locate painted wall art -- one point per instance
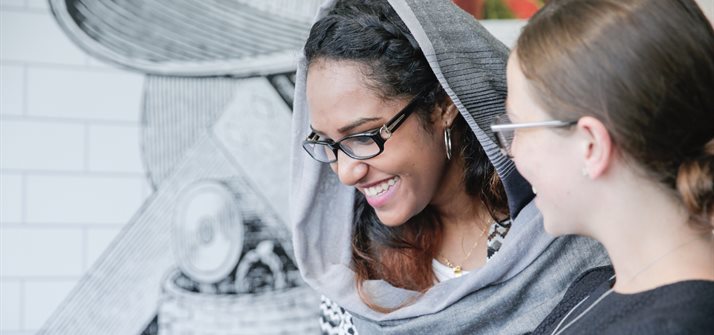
(209, 252)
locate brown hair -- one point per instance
(372, 34)
(645, 68)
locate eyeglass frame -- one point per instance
(499, 128)
(378, 135)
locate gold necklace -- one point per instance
(458, 269)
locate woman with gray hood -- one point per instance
(406, 216)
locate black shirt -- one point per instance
(685, 307)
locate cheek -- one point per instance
(526, 159)
(414, 147)
(529, 171)
(419, 158)
(537, 163)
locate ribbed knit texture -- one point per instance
(190, 38)
(471, 65)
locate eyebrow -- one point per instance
(357, 123)
(350, 126)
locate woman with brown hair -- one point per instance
(406, 216)
(610, 116)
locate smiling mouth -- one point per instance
(380, 188)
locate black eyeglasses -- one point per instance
(504, 130)
(359, 146)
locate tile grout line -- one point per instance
(71, 120)
(23, 198)
(86, 146)
(67, 66)
(22, 305)
(25, 89)
(85, 248)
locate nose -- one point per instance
(349, 170)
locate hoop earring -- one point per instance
(447, 142)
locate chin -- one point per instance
(556, 227)
(391, 220)
(550, 229)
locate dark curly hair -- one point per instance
(372, 34)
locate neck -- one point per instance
(465, 221)
(650, 242)
(456, 208)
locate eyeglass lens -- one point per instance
(358, 147)
(504, 136)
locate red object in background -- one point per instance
(522, 9)
(475, 7)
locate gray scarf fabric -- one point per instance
(514, 291)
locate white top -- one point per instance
(496, 233)
(443, 272)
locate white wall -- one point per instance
(70, 169)
(708, 8)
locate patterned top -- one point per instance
(335, 320)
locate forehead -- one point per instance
(338, 93)
(327, 78)
(515, 80)
(520, 105)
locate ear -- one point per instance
(447, 113)
(598, 148)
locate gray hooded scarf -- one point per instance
(520, 284)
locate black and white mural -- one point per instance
(209, 252)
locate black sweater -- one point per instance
(685, 307)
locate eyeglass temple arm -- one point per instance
(312, 136)
(398, 119)
(551, 123)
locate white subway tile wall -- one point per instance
(114, 148)
(85, 199)
(30, 252)
(42, 298)
(12, 84)
(38, 4)
(12, 3)
(71, 174)
(11, 293)
(98, 63)
(708, 8)
(92, 94)
(29, 35)
(97, 241)
(11, 196)
(42, 145)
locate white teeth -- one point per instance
(379, 189)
